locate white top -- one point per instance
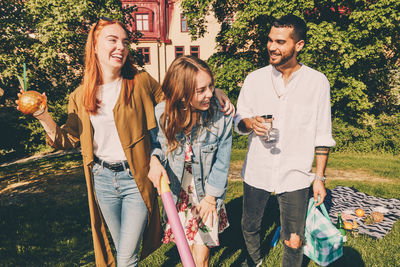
(302, 121)
(106, 143)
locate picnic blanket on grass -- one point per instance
(343, 198)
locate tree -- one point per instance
(49, 36)
(355, 43)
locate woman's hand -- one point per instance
(40, 114)
(207, 209)
(44, 118)
(227, 106)
(156, 172)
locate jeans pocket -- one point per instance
(96, 169)
(129, 173)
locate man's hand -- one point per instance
(226, 104)
(255, 124)
(321, 159)
(156, 171)
(319, 190)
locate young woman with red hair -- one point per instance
(109, 117)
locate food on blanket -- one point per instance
(347, 225)
(374, 217)
(347, 217)
(369, 220)
(377, 216)
(355, 224)
(360, 212)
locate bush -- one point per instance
(239, 141)
(380, 134)
(23, 135)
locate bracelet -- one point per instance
(209, 202)
(37, 115)
(319, 178)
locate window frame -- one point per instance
(195, 52)
(176, 52)
(184, 19)
(144, 53)
(149, 21)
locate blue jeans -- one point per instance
(123, 209)
(293, 209)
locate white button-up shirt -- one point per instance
(302, 121)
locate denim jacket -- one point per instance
(211, 148)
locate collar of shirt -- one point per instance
(279, 84)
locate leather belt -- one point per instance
(116, 166)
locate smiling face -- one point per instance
(203, 92)
(112, 48)
(282, 48)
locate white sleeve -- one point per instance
(324, 122)
(244, 106)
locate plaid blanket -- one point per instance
(342, 198)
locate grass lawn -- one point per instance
(44, 216)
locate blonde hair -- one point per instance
(179, 86)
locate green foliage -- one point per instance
(381, 134)
(49, 36)
(354, 43)
(229, 71)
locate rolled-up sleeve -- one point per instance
(244, 109)
(324, 121)
(67, 136)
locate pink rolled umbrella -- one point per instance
(176, 226)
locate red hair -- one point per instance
(93, 78)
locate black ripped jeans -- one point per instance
(293, 208)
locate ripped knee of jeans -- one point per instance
(294, 241)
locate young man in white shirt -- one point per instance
(280, 160)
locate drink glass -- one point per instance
(268, 123)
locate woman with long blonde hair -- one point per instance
(109, 117)
(193, 141)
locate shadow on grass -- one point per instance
(232, 238)
(350, 258)
(46, 223)
(173, 257)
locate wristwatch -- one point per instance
(319, 178)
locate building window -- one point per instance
(142, 22)
(145, 51)
(179, 51)
(195, 51)
(184, 25)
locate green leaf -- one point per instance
(22, 83)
